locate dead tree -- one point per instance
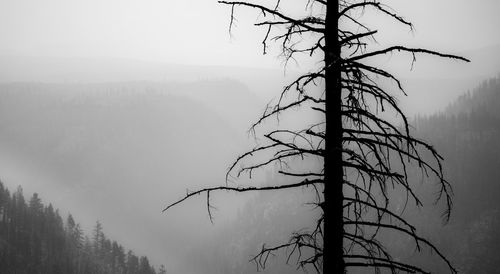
(363, 155)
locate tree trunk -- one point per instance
(333, 261)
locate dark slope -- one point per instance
(34, 238)
(467, 133)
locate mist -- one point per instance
(111, 110)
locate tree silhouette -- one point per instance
(365, 157)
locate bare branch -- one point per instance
(305, 182)
(410, 50)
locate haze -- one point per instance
(110, 109)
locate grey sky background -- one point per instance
(449, 24)
(196, 31)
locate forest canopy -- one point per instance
(35, 239)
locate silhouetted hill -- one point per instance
(263, 82)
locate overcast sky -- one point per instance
(196, 31)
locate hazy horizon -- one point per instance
(112, 109)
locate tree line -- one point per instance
(467, 134)
(35, 239)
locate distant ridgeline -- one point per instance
(35, 239)
(474, 112)
(467, 134)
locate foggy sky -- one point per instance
(196, 31)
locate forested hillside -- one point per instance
(35, 239)
(467, 135)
